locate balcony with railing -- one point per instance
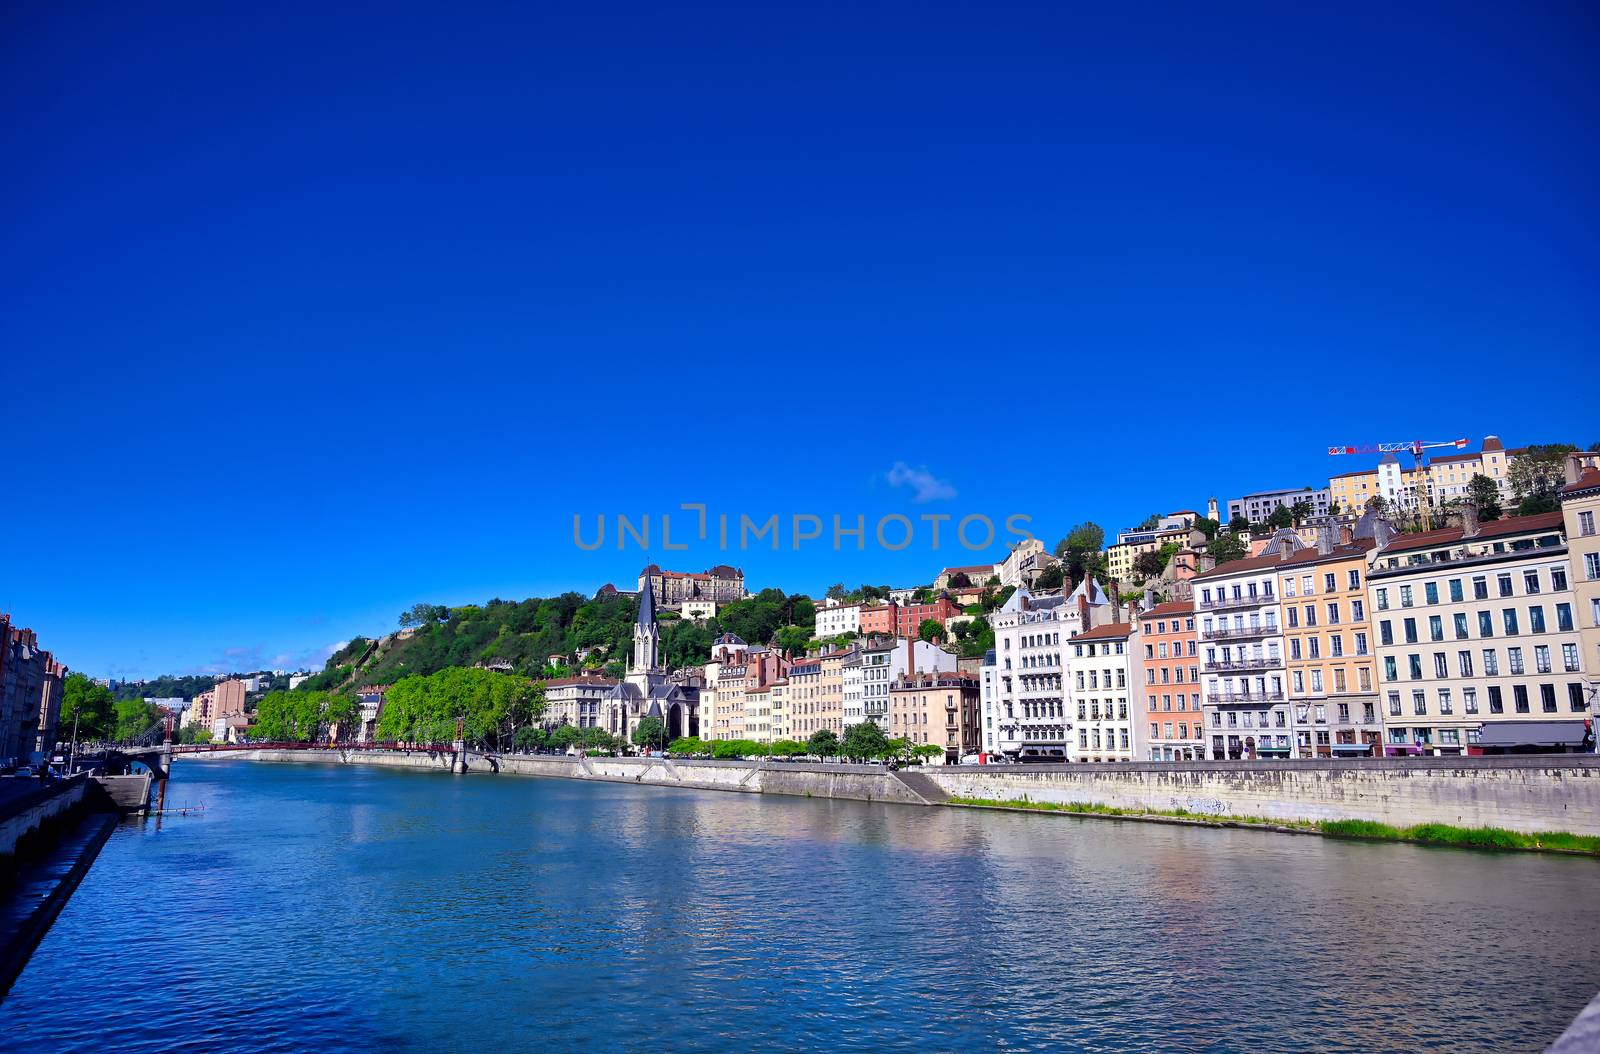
(1272, 662)
(1238, 632)
(1245, 697)
(1247, 600)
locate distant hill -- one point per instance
(524, 634)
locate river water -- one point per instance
(352, 909)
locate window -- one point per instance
(1469, 700)
(1569, 657)
(1330, 582)
(1485, 624)
(1431, 591)
(1541, 658)
(1411, 630)
(1586, 523)
(1385, 633)
(1333, 614)
(1354, 579)
(1405, 596)
(1414, 664)
(1491, 663)
(1389, 671)
(1311, 614)
(1510, 616)
(1336, 646)
(1358, 611)
(1464, 663)
(1435, 627)
(1536, 619)
(1441, 669)
(1558, 579)
(1445, 705)
(1504, 580)
(1497, 704)
(1419, 702)
(1383, 592)
(1394, 704)
(1315, 644)
(1461, 625)
(1361, 643)
(1519, 693)
(1591, 565)
(1480, 588)
(1530, 582)
(1547, 698)
(1514, 660)
(1455, 591)
(1288, 586)
(1575, 697)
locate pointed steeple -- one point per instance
(647, 607)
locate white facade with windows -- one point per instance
(1478, 629)
(1240, 633)
(1100, 687)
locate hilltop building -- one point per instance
(649, 690)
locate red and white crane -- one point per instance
(1416, 446)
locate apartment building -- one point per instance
(1024, 701)
(1171, 715)
(1100, 684)
(575, 701)
(816, 692)
(1240, 638)
(1330, 660)
(883, 660)
(1580, 509)
(936, 708)
(1478, 643)
(1024, 563)
(1257, 507)
(835, 619)
(1130, 545)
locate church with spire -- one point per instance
(648, 689)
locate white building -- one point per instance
(881, 661)
(1240, 632)
(1100, 684)
(834, 619)
(1257, 507)
(1026, 559)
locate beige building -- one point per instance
(1477, 639)
(575, 701)
(720, 585)
(936, 708)
(816, 692)
(1350, 491)
(1580, 510)
(1330, 660)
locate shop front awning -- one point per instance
(1362, 749)
(1532, 734)
(1273, 752)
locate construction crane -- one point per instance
(1416, 446)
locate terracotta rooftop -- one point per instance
(1303, 558)
(1588, 481)
(1110, 631)
(1544, 521)
(1171, 607)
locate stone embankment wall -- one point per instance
(1529, 794)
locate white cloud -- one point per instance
(927, 486)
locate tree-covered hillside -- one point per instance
(526, 634)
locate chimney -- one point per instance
(911, 659)
(1573, 467)
(1115, 592)
(1347, 536)
(1469, 520)
(1325, 537)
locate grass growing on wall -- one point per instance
(1427, 833)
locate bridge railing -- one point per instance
(216, 748)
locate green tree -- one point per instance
(927, 751)
(687, 745)
(1239, 525)
(649, 732)
(134, 717)
(787, 748)
(1281, 517)
(1208, 527)
(1485, 494)
(89, 704)
(837, 591)
(1051, 577)
(931, 630)
(1227, 547)
(1150, 522)
(793, 639)
(1301, 511)
(864, 741)
(1148, 565)
(1079, 547)
(824, 743)
(1539, 472)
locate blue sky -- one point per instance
(309, 313)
